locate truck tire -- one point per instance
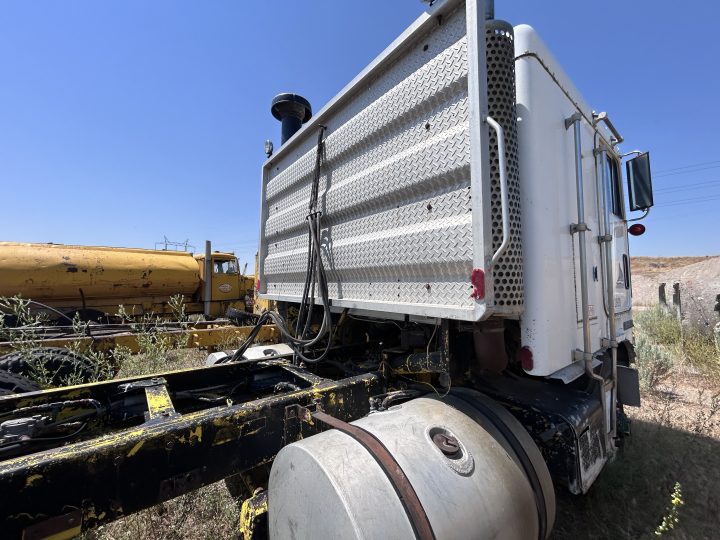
(10, 383)
(241, 318)
(57, 362)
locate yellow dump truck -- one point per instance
(94, 281)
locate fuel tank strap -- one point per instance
(408, 497)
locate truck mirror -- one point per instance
(639, 182)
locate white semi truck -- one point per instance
(465, 184)
(446, 243)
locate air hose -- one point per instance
(315, 279)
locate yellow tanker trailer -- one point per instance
(96, 280)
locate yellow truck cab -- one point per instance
(229, 287)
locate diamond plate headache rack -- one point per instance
(406, 193)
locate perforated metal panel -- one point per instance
(403, 185)
(508, 272)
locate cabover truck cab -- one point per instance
(446, 244)
(467, 186)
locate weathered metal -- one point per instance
(334, 484)
(418, 363)
(392, 469)
(426, 231)
(253, 516)
(54, 272)
(566, 424)
(101, 278)
(143, 457)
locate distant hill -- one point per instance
(699, 279)
(648, 266)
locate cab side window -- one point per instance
(220, 267)
(614, 189)
(225, 267)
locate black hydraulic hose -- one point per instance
(44, 306)
(313, 219)
(315, 278)
(306, 287)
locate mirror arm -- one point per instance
(632, 152)
(603, 117)
(647, 211)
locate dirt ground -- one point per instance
(675, 438)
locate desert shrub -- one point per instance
(653, 361)
(22, 328)
(660, 326)
(19, 324)
(699, 350)
(661, 331)
(158, 350)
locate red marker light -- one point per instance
(477, 279)
(637, 229)
(526, 358)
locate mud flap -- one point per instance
(628, 391)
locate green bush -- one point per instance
(22, 327)
(653, 361)
(660, 333)
(660, 326)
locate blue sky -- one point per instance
(125, 121)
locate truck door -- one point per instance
(225, 279)
(610, 185)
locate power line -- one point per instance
(688, 167)
(687, 186)
(688, 171)
(694, 214)
(694, 200)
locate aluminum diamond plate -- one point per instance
(401, 232)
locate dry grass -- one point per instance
(207, 513)
(658, 265)
(684, 346)
(675, 439)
